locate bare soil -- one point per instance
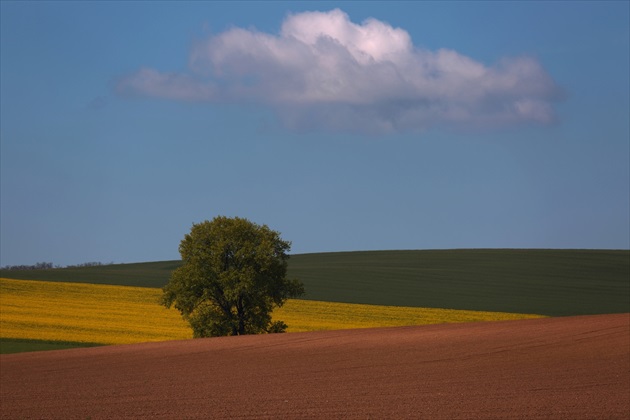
(559, 368)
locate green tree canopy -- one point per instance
(233, 275)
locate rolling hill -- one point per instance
(546, 282)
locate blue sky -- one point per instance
(343, 125)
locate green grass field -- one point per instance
(151, 274)
(15, 345)
(548, 282)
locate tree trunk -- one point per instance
(240, 313)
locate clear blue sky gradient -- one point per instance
(89, 174)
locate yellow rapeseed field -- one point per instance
(91, 313)
(310, 315)
(86, 313)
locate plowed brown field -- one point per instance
(563, 368)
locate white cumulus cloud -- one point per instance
(324, 72)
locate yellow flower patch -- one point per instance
(104, 314)
(86, 313)
(309, 315)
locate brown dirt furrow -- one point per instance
(561, 368)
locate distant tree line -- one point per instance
(38, 266)
(49, 265)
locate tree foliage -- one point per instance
(232, 277)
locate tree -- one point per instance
(233, 275)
